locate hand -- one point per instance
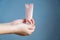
(23, 27)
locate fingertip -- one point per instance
(32, 21)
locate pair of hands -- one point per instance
(23, 27)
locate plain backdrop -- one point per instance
(46, 15)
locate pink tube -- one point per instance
(29, 11)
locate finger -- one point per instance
(31, 27)
(32, 21)
(24, 21)
(29, 21)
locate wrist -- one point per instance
(15, 28)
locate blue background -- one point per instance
(46, 15)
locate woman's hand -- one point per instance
(23, 27)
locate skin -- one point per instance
(21, 27)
